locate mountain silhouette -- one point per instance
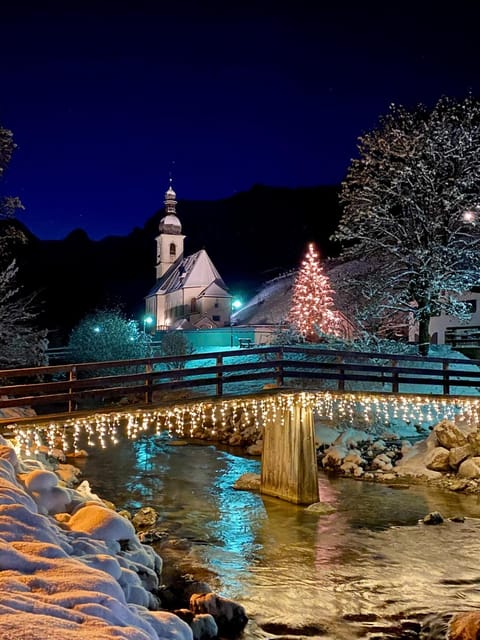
(251, 237)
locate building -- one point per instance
(445, 329)
(189, 293)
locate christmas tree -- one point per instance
(312, 310)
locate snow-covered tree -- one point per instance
(312, 310)
(8, 204)
(412, 209)
(21, 343)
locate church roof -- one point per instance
(215, 290)
(196, 270)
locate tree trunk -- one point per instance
(423, 335)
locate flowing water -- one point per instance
(367, 570)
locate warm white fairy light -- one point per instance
(213, 417)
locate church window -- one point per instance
(173, 250)
(193, 305)
(216, 318)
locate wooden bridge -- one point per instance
(289, 465)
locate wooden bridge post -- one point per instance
(289, 460)
(148, 383)
(395, 377)
(279, 368)
(446, 378)
(341, 371)
(219, 383)
(71, 377)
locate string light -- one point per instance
(104, 429)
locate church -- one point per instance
(189, 293)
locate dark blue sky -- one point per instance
(103, 99)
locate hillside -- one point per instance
(251, 237)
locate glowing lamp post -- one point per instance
(236, 304)
(147, 320)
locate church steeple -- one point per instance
(170, 240)
(170, 202)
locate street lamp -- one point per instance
(236, 304)
(146, 320)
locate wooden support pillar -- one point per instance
(289, 460)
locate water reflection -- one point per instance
(349, 574)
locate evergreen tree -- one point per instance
(411, 207)
(312, 310)
(107, 334)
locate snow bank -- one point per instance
(70, 568)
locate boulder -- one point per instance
(438, 459)
(231, 617)
(449, 435)
(321, 507)
(459, 454)
(146, 517)
(204, 627)
(464, 626)
(474, 441)
(433, 518)
(248, 482)
(255, 449)
(470, 468)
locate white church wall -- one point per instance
(218, 309)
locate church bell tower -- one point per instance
(170, 239)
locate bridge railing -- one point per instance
(214, 374)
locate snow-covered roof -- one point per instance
(270, 305)
(215, 290)
(196, 270)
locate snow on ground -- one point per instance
(70, 568)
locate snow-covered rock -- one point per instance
(413, 463)
(61, 578)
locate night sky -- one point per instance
(106, 101)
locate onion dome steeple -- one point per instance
(170, 223)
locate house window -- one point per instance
(173, 250)
(216, 318)
(193, 305)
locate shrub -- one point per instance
(175, 343)
(108, 335)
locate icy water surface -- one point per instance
(368, 570)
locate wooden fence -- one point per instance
(63, 387)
